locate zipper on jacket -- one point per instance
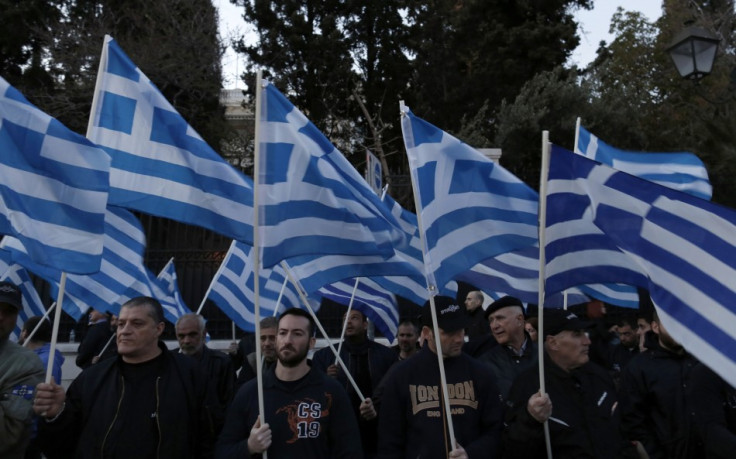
(158, 421)
(117, 412)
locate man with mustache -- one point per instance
(307, 413)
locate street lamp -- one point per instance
(693, 51)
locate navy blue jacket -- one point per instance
(311, 420)
(411, 422)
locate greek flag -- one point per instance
(53, 187)
(680, 171)
(410, 287)
(312, 200)
(517, 274)
(160, 165)
(471, 209)
(232, 288)
(17, 275)
(167, 287)
(375, 302)
(122, 274)
(607, 226)
(315, 271)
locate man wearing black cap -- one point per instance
(516, 351)
(579, 404)
(412, 416)
(20, 371)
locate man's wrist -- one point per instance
(63, 405)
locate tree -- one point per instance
(447, 59)
(475, 53)
(22, 41)
(174, 43)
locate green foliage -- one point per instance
(175, 44)
(347, 64)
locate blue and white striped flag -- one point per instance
(517, 274)
(315, 271)
(173, 306)
(17, 275)
(232, 288)
(53, 186)
(410, 287)
(680, 171)
(606, 226)
(160, 165)
(312, 200)
(375, 302)
(122, 274)
(471, 209)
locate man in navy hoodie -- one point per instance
(412, 414)
(307, 413)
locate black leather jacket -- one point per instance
(93, 406)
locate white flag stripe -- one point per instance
(27, 183)
(173, 190)
(720, 317)
(65, 238)
(664, 168)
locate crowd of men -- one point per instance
(625, 391)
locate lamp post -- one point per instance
(693, 52)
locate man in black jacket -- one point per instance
(307, 414)
(95, 340)
(655, 409)
(148, 402)
(412, 413)
(367, 362)
(191, 332)
(714, 404)
(516, 351)
(579, 405)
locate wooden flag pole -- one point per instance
(55, 329)
(431, 289)
(542, 264)
(347, 314)
(214, 279)
(38, 325)
(303, 297)
(256, 244)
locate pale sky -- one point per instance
(593, 25)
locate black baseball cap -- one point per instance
(451, 315)
(559, 320)
(10, 294)
(502, 303)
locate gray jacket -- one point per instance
(20, 371)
